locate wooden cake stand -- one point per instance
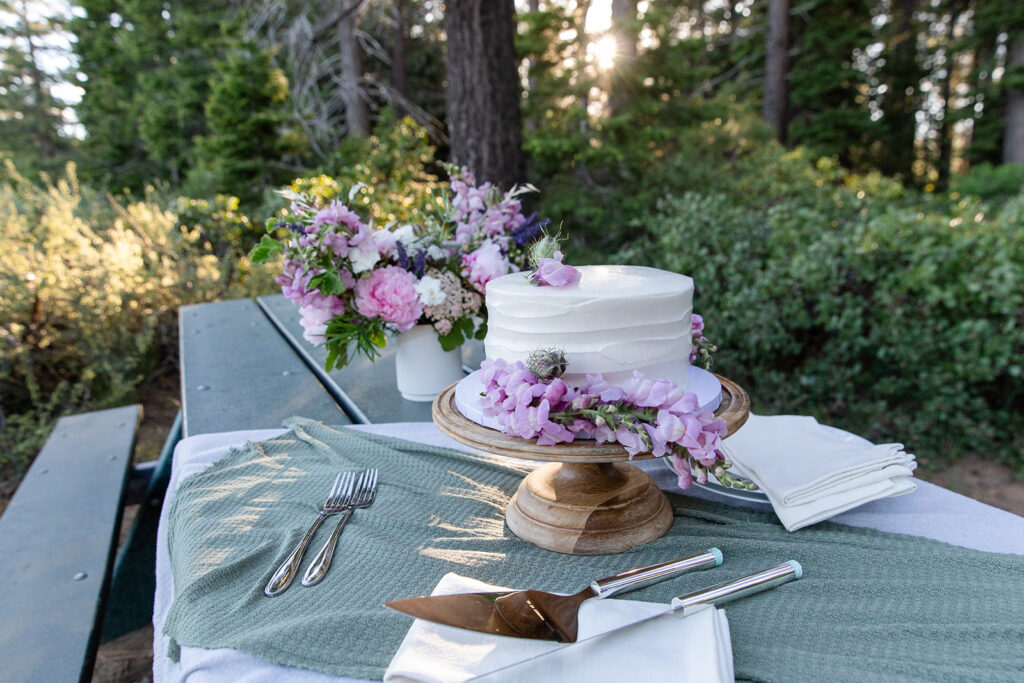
(588, 499)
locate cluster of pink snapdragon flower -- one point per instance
(643, 415)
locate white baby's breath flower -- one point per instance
(364, 257)
(428, 289)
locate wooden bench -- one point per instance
(58, 538)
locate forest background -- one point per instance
(842, 178)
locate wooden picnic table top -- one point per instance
(245, 365)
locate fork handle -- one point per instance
(317, 569)
(284, 575)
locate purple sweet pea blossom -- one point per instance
(643, 415)
(551, 272)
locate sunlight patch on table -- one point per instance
(482, 528)
(466, 558)
(487, 494)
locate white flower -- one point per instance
(364, 257)
(436, 253)
(428, 289)
(406, 235)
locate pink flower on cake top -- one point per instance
(548, 269)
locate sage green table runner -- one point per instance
(871, 605)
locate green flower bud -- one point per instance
(545, 247)
(547, 364)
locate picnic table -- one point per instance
(245, 368)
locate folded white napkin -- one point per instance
(811, 472)
(691, 648)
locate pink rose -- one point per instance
(389, 294)
(484, 264)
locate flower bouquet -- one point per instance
(355, 282)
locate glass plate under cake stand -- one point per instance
(588, 499)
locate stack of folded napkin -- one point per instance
(691, 648)
(811, 472)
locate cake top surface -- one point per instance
(598, 281)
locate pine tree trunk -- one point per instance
(899, 105)
(777, 67)
(399, 74)
(357, 115)
(945, 160)
(1013, 139)
(483, 90)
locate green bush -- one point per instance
(885, 312)
(91, 288)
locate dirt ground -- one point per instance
(129, 658)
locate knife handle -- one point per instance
(739, 588)
(645, 576)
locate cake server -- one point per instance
(536, 614)
(682, 606)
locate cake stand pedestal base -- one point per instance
(588, 508)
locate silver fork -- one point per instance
(366, 491)
(337, 500)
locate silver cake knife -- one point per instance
(684, 605)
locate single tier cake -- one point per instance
(615, 320)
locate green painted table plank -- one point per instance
(238, 372)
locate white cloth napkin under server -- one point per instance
(694, 648)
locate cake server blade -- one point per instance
(536, 614)
(681, 606)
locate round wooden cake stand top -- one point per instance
(587, 500)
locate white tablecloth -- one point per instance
(931, 511)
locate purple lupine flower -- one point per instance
(529, 230)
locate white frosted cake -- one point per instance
(615, 320)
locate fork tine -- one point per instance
(353, 491)
(345, 491)
(371, 488)
(346, 481)
(334, 487)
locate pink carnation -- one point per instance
(389, 294)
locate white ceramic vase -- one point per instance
(422, 367)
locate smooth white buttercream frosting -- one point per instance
(615, 320)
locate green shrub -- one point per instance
(992, 183)
(91, 289)
(844, 297)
